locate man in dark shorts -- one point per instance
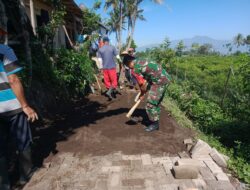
(15, 114)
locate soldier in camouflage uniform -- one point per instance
(157, 79)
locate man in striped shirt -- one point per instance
(15, 114)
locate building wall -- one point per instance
(60, 39)
(39, 6)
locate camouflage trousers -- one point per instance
(155, 97)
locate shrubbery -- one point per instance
(65, 75)
(214, 92)
(73, 71)
(209, 118)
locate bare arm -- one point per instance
(17, 88)
(143, 88)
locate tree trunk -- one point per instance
(132, 33)
(120, 28)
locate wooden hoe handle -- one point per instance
(131, 111)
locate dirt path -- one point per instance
(92, 146)
(95, 126)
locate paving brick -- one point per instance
(202, 163)
(169, 179)
(149, 185)
(101, 185)
(188, 141)
(199, 183)
(189, 147)
(138, 188)
(103, 176)
(225, 157)
(218, 158)
(185, 184)
(115, 179)
(146, 159)
(131, 157)
(185, 172)
(169, 187)
(206, 173)
(136, 164)
(219, 185)
(141, 174)
(68, 161)
(167, 168)
(162, 178)
(111, 169)
(188, 161)
(161, 160)
(213, 167)
(174, 159)
(221, 177)
(117, 156)
(201, 148)
(121, 163)
(202, 157)
(183, 155)
(87, 183)
(133, 182)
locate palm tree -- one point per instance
(247, 42)
(118, 14)
(239, 40)
(133, 13)
(125, 9)
(113, 23)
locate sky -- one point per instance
(181, 19)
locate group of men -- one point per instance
(15, 112)
(149, 75)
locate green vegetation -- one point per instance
(47, 32)
(238, 162)
(74, 71)
(210, 93)
(59, 74)
(65, 75)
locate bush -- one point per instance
(217, 128)
(74, 71)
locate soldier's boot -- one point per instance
(4, 178)
(25, 166)
(152, 127)
(109, 93)
(115, 92)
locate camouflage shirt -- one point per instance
(152, 72)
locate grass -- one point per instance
(238, 166)
(179, 116)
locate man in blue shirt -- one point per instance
(15, 114)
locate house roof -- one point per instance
(72, 7)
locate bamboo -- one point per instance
(66, 32)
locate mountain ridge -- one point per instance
(218, 45)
